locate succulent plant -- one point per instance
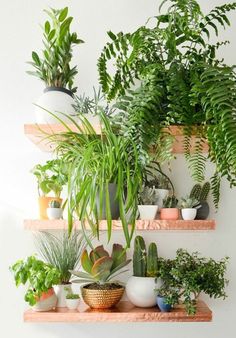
(148, 196)
(144, 265)
(200, 192)
(189, 202)
(54, 204)
(99, 267)
(170, 202)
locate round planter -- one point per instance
(161, 195)
(43, 205)
(163, 306)
(101, 299)
(188, 214)
(147, 212)
(55, 100)
(169, 214)
(140, 291)
(61, 294)
(46, 302)
(54, 213)
(203, 211)
(72, 304)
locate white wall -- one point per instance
(19, 34)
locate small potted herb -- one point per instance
(189, 207)
(72, 299)
(54, 210)
(147, 199)
(169, 211)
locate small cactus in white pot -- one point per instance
(147, 203)
(54, 210)
(189, 206)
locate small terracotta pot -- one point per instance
(43, 205)
(169, 214)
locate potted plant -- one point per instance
(63, 252)
(147, 198)
(51, 177)
(72, 299)
(188, 275)
(140, 287)
(201, 192)
(40, 278)
(54, 210)
(169, 211)
(189, 207)
(54, 67)
(100, 269)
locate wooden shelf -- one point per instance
(117, 225)
(123, 312)
(36, 133)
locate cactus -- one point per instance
(139, 257)
(152, 261)
(205, 191)
(170, 202)
(54, 204)
(196, 191)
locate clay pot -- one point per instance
(169, 214)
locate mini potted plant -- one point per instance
(140, 287)
(63, 252)
(41, 278)
(169, 211)
(147, 207)
(100, 269)
(201, 193)
(189, 207)
(72, 299)
(54, 67)
(54, 210)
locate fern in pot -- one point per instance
(147, 199)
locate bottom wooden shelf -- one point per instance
(123, 312)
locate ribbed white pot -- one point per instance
(61, 294)
(72, 304)
(189, 214)
(54, 213)
(140, 291)
(55, 101)
(161, 195)
(147, 212)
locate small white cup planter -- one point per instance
(189, 214)
(61, 294)
(140, 291)
(72, 304)
(54, 213)
(147, 212)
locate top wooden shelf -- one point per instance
(36, 133)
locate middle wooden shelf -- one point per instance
(209, 224)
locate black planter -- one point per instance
(114, 204)
(203, 211)
(59, 89)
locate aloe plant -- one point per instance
(100, 267)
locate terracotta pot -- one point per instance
(43, 205)
(46, 302)
(169, 214)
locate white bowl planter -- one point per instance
(189, 214)
(147, 212)
(72, 304)
(140, 291)
(56, 100)
(161, 195)
(61, 294)
(54, 213)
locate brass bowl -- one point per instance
(102, 299)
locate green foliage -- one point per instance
(186, 276)
(147, 196)
(101, 268)
(54, 204)
(170, 202)
(189, 202)
(39, 276)
(155, 177)
(200, 192)
(196, 191)
(51, 176)
(144, 264)
(63, 252)
(70, 294)
(53, 67)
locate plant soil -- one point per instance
(108, 286)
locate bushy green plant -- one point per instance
(144, 264)
(170, 202)
(53, 67)
(188, 275)
(147, 196)
(189, 202)
(99, 267)
(39, 276)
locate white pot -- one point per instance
(140, 291)
(61, 294)
(189, 214)
(54, 213)
(161, 195)
(56, 101)
(147, 212)
(72, 304)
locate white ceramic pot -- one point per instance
(46, 302)
(72, 304)
(147, 212)
(54, 213)
(55, 100)
(61, 294)
(161, 195)
(140, 291)
(189, 214)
